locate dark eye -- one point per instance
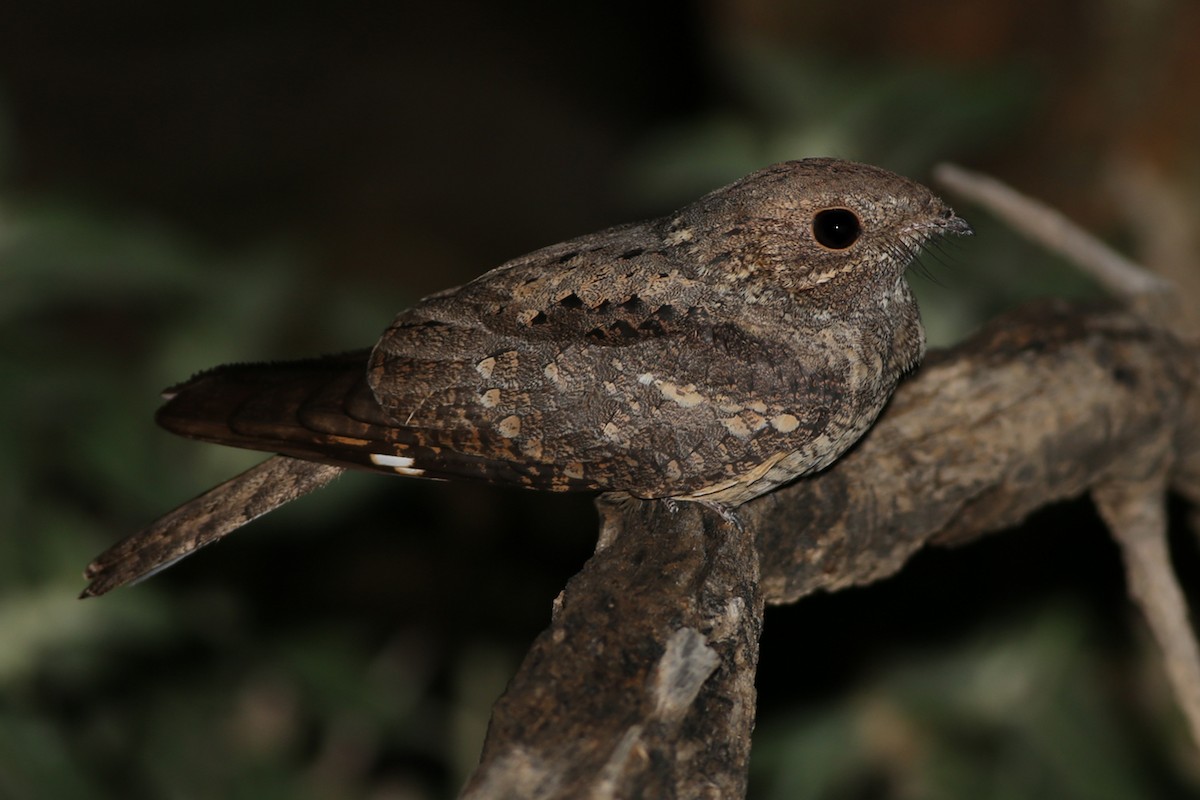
(836, 228)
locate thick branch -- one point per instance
(644, 683)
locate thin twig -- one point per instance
(1136, 515)
(1049, 228)
(206, 519)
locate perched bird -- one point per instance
(709, 355)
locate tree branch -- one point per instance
(644, 683)
(1040, 406)
(1136, 513)
(1038, 222)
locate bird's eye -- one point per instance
(836, 228)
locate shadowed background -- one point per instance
(188, 184)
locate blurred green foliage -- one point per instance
(125, 697)
(1020, 713)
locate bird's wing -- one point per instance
(617, 360)
(322, 410)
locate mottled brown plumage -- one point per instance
(710, 355)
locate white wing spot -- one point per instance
(389, 460)
(402, 465)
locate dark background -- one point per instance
(192, 183)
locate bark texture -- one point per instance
(643, 686)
